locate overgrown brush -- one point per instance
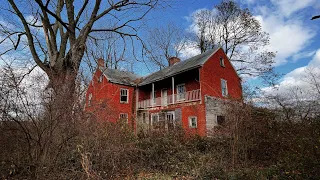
(274, 150)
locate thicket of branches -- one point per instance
(45, 136)
(38, 141)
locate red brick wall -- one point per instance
(189, 109)
(198, 111)
(106, 104)
(211, 74)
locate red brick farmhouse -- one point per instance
(187, 93)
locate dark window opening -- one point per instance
(222, 62)
(221, 120)
(124, 95)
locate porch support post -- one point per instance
(172, 90)
(152, 95)
(137, 99)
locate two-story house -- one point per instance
(188, 94)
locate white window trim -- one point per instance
(126, 114)
(127, 95)
(221, 60)
(190, 121)
(173, 118)
(100, 79)
(226, 83)
(177, 89)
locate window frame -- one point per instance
(126, 117)
(222, 62)
(100, 79)
(226, 87)
(152, 115)
(190, 121)
(184, 93)
(145, 118)
(127, 90)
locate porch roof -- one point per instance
(131, 79)
(188, 64)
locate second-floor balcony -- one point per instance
(188, 96)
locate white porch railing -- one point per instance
(188, 96)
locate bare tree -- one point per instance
(112, 49)
(66, 27)
(312, 77)
(164, 42)
(238, 33)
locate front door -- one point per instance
(164, 97)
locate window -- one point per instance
(89, 99)
(224, 88)
(100, 78)
(123, 95)
(222, 62)
(181, 92)
(154, 119)
(170, 120)
(193, 122)
(220, 120)
(124, 116)
(144, 118)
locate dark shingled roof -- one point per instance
(179, 67)
(130, 79)
(120, 77)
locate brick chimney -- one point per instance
(101, 63)
(173, 60)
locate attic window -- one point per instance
(100, 78)
(123, 95)
(222, 62)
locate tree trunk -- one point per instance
(63, 97)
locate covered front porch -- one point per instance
(182, 88)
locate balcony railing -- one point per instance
(168, 100)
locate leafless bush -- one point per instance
(38, 140)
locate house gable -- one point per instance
(212, 74)
(106, 102)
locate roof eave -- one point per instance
(195, 67)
